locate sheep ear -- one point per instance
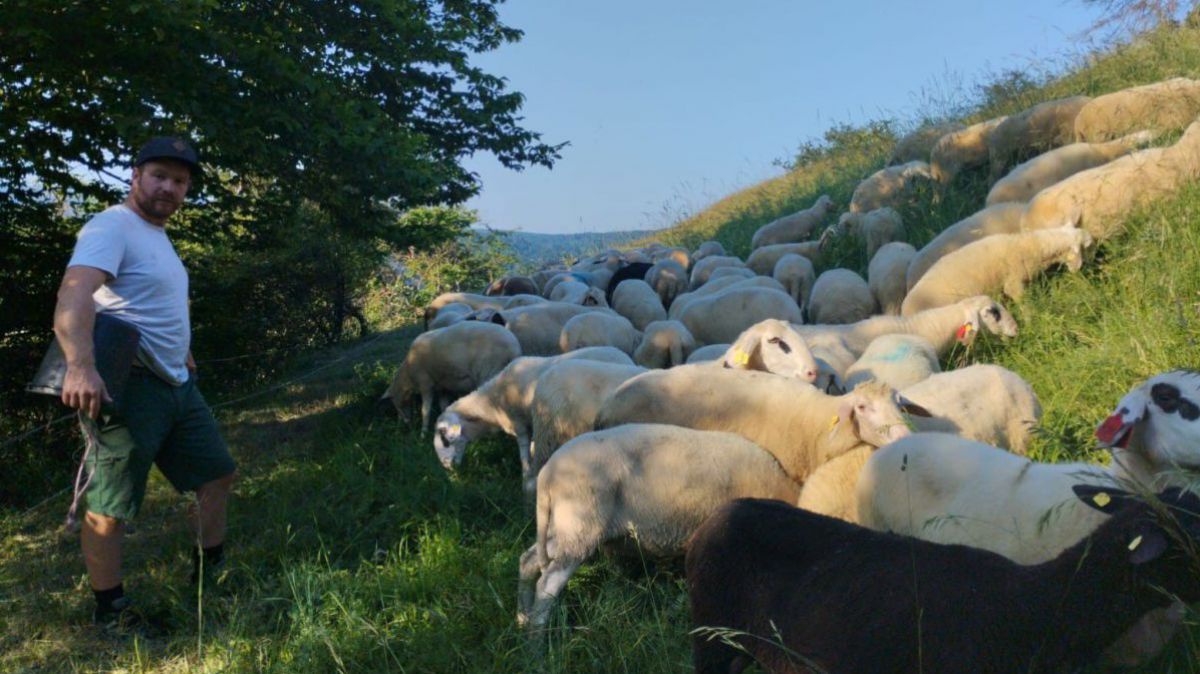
(845, 414)
(1147, 545)
(1105, 499)
(739, 354)
(499, 319)
(909, 407)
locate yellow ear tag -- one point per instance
(834, 422)
(1102, 499)
(1135, 543)
(455, 429)
(741, 357)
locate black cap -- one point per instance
(168, 147)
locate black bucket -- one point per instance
(116, 345)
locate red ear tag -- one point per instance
(1108, 430)
(964, 333)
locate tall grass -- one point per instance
(352, 550)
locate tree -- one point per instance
(1132, 16)
(318, 123)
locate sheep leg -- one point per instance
(524, 449)
(426, 408)
(554, 578)
(528, 574)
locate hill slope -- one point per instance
(353, 550)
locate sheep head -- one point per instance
(1080, 239)
(876, 411)
(1159, 420)
(772, 346)
(984, 312)
(451, 435)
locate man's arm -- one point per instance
(74, 319)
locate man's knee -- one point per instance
(102, 525)
(219, 487)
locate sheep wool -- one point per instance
(888, 186)
(664, 344)
(722, 316)
(1044, 126)
(763, 260)
(599, 328)
(886, 275)
(1007, 261)
(982, 402)
(998, 219)
(1099, 199)
(961, 150)
(705, 267)
(840, 296)
(876, 227)
(1044, 170)
(796, 274)
(793, 228)
(919, 143)
(1162, 106)
(669, 279)
(637, 301)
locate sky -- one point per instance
(669, 106)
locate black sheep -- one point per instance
(801, 592)
(634, 270)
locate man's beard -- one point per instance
(160, 209)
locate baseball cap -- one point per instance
(168, 147)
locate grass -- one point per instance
(351, 550)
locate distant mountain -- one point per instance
(545, 247)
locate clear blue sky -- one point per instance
(671, 105)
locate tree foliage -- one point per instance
(319, 124)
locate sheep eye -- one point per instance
(1188, 409)
(1165, 396)
(783, 346)
(994, 313)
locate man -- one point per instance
(124, 264)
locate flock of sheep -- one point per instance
(650, 390)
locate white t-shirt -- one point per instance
(148, 286)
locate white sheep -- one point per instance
(840, 296)
(997, 219)
(449, 314)
(664, 344)
(943, 327)
(772, 346)
(576, 292)
(796, 274)
(637, 301)
(982, 402)
(713, 287)
(566, 399)
(919, 143)
(961, 150)
(679, 256)
(706, 266)
(947, 489)
(503, 404)
(707, 249)
(886, 275)
(876, 227)
(1007, 261)
(1027, 179)
(1100, 199)
(794, 227)
(473, 300)
(763, 260)
(888, 186)
(799, 425)
(599, 328)
(897, 360)
(1162, 106)
(712, 354)
(539, 327)
(830, 490)
(1042, 127)
(669, 279)
(737, 272)
(722, 316)
(654, 484)
(449, 362)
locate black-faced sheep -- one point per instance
(799, 592)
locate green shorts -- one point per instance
(157, 423)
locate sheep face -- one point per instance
(452, 434)
(1073, 257)
(773, 346)
(1161, 418)
(985, 312)
(877, 412)
(1155, 542)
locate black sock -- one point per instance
(212, 557)
(105, 598)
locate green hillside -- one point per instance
(352, 550)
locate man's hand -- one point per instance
(84, 390)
